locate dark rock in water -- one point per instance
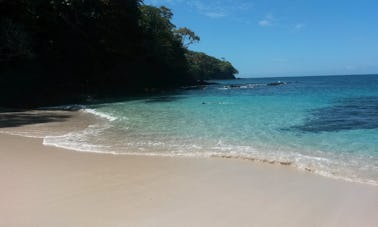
(235, 86)
(196, 87)
(348, 114)
(240, 86)
(203, 82)
(200, 84)
(278, 83)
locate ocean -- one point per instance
(327, 125)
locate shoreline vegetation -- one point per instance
(55, 52)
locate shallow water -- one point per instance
(326, 125)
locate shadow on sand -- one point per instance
(21, 118)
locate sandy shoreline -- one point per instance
(47, 186)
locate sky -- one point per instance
(264, 38)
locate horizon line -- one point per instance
(322, 75)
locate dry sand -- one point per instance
(47, 186)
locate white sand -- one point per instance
(45, 186)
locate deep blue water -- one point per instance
(327, 125)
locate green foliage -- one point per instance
(76, 38)
(186, 36)
(164, 50)
(54, 49)
(15, 42)
(51, 49)
(205, 67)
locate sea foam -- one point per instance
(100, 114)
(264, 125)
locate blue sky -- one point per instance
(284, 37)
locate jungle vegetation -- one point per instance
(54, 51)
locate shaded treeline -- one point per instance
(205, 67)
(55, 51)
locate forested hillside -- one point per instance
(55, 51)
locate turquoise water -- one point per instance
(326, 125)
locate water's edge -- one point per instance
(55, 141)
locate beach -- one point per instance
(49, 186)
(165, 113)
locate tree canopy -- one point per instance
(55, 50)
(205, 67)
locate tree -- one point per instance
(63, 50)
(164, 50)
(186, 36)
(205, 67)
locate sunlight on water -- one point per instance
(326, 125)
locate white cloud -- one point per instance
(299, 26)
(267, 21)
(159, 2)
(215, 14)
(211, 9)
